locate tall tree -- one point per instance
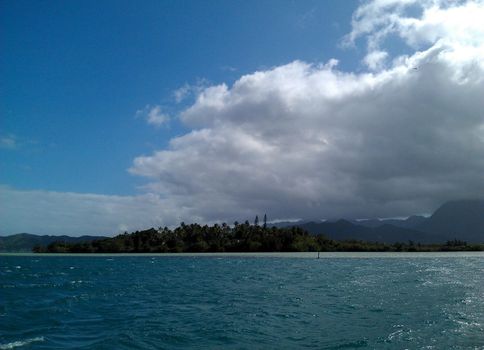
(256, 221)
(265, 220)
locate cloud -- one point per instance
(229, 69)
(375, 60)
(49, 212)
(15, 142)
(189, 90)
(153, 115)
(419, 23)
(305, 19)
(181, 93)
(8, 142)
(308, 140)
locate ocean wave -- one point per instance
(19, 343)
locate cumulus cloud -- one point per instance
(419, 23)
(308, 140)
(311, 141)
(375, 60)
(153, 115)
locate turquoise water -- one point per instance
(242, 302)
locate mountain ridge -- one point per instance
(25, 242)
(458, 219)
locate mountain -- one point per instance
(24, 242)
(339, 230)
(463, 220)
(411, 222)
(282, 224)
(346, 230)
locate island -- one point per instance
(240, 237)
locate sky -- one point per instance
(118, 115)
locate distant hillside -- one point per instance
(462, 219)
(282, 224)
(241, 238)
(24, 242)
(411, 222)
(386, 233)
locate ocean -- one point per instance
(242, 301)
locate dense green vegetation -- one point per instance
(237, 238)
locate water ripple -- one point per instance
(237, 302)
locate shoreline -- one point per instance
(300, 255)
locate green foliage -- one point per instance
(238, 238)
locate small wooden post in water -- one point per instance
(318, 255)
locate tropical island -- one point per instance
(238, 237)
(454, 226)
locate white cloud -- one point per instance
(303, 140)
(229, 68)
(375, 60)
(153, 115)
(181, 93)
(8, 142)
(419, 23)
(308, 140)
(189, 90)
(49, 212)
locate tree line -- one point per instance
(237, 238)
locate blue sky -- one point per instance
(74, 75)
(121, 115)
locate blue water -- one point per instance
(159, 302)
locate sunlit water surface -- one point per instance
(342, 301)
